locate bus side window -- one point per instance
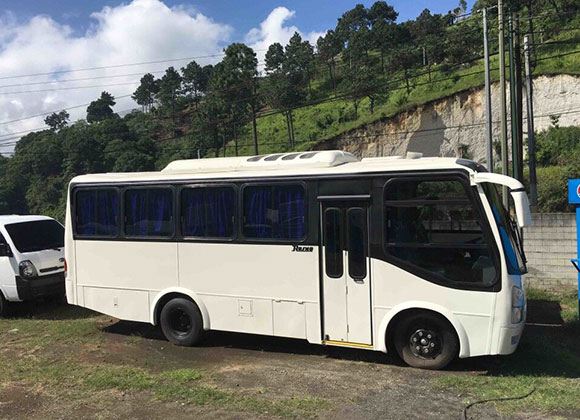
(208, 212)
(274, 212)
(149, 212)
(432, 225)
(97, 213)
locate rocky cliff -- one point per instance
(455, 126)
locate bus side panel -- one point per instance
(149, 266)
(393, 286)
(253, 288)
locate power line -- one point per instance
(52, 112)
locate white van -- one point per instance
(32, 261)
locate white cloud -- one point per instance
(273, 29)
(139, 31)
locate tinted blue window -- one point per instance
(208, 212)
(149, 212)
(97, 213)
(277, 212)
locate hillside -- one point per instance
(318, 125)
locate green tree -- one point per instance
(329, 46)
(195, 81)
(285, 85)
(361, 80)
(169, 90)
(239, 85)
(102, 108)
(57, 120)
(299, 56)
(145, 93)
(275, 58)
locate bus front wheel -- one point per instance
(426, 341)
(181, 322)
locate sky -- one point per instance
(44, 40)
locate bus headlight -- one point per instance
(27, 269)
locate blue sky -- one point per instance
(311, 15)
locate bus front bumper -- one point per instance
(46, 286)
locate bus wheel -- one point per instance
(426, 341)
(181, 322)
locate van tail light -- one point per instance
(65, 266)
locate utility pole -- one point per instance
(504, 146)
(488, 116)
(531, 134)
(519, 174)
(513, 101)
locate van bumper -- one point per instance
(39, 287)
(510, 338)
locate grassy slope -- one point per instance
(318, 123)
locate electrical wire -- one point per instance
(519, 397)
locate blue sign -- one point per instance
(574, 198)
(574, 191)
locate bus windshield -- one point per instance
(509, 232)
(36, 235)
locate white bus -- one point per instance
(413, 255)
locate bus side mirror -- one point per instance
(5, 250)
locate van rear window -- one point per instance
(37, 235)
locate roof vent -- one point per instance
(414, 155)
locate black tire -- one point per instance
(426, 341)
(3, 305)
(181, 322)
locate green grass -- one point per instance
(548, 362)
(47, 352)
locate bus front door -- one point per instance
(346, 272)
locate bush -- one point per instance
(553, 188)
(557, 146)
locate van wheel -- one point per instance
(426, 341)
(181, 322)
(3, 305)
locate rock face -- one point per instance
(455, 126)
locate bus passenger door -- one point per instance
(346, 272)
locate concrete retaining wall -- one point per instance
(549, 244)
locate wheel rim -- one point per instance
(180, 322)
(425, 343)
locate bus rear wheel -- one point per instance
(426, 341)
(181, 322)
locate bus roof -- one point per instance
(330, 162)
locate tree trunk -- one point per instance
(235, 139)
(382, 61)
(216, 142)
(333, 75)
(287, 114)
(292, 129)
(371, 104)
(355, 104)
(224, 146)
(255, 131)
